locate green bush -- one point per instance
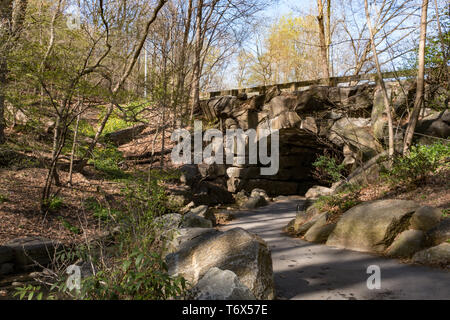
(421, 161)
(140, 275)
(54, 204)
(332, 170)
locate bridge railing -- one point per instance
(293, 86)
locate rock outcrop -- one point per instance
(236, 250)
(372, 226)
(438, 255)
(219, 284)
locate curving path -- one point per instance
(303, 270)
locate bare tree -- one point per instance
(380, 80)
(419, 100)
(324, 42)
(137, 48)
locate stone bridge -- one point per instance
(312, 120)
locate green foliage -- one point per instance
(139, 275)
(30, 292)
(54, 204)
(445, 213)
(341, 202)
(99, 211)
(135, 267)
(332, 170)
(421, 161)
(66, 224)
(85, 129)
(107, 161)
(124, 120)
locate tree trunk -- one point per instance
(74, 145)
(381, 81)
(3, 71)
(197, 69)
(418, 102)
(180, 90)
(443, 45)
(323, 44)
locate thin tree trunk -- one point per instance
(387, 104)
(72, 153)
(323, 44)
(3, 72)
(180, 91)
(197, 69)
(328, 35)
(443, 45)
(418, 102)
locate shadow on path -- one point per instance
(303, 270)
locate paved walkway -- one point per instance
(303, 270)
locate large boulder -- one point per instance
(6, 254)
(192, 220)
(425, 218)
(260, 192)
(246, 254)
(320, 230)
(211, 171)
(219, 284)
(439, 233)
(31, 251)
(204, 212)
(209, 193)
(406, 244)
(189, 237)
(254, 202)
(438, 255)
(318, 191)
(126, 135)
(310, 213)
(189, 174)
(372, 226)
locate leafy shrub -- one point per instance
(54, 204)
(421, 161)
(140, 275)
(329, 166)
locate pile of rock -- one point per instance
(397, 228)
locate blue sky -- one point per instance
(285, 6)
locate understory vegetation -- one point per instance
(405, 172)
(127, 263)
